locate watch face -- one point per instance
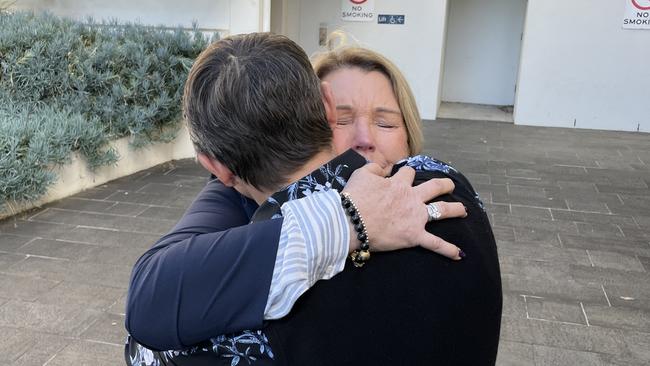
(641, 4)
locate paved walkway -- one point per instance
(570, 209)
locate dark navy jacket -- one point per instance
(204, 279)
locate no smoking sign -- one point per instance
(641, 4)
(358, 10)
(637, 14)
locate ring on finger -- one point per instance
(433, 212)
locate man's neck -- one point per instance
(314, 163)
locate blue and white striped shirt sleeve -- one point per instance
(314, 243)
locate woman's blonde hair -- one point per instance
(342, 56)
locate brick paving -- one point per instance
(570, 210)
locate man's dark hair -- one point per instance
(253, 103)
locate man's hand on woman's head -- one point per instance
(395, 213)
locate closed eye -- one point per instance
(387, 125)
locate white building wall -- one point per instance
(482, 51)
(245, 16)
(416, 47)
(579, 64)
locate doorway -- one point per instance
(481, 61)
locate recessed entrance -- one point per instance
(482, 52)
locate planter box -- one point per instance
(75, 177)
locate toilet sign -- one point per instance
(390, 19)
(358, 10)
(637, 14)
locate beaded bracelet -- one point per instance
(359, 256)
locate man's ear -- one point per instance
(329, 103)
(219, 170)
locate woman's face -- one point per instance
(369, 119)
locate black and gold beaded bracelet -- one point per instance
(359, 256)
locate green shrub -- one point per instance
(72, 86)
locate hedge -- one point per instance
(71, 86)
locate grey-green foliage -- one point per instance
(32, 143)
(72, 86)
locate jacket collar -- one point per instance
(331, 175)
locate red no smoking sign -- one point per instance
(358, 2)
(637, 14)
(639, 4)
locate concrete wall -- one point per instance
(75, 177)
(416, 47)
(579, 64)
(482, 51)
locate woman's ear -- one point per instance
(219, 170)
(329, 103)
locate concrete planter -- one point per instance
(76, 177)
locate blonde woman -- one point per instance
(408, 308)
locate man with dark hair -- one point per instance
(232, 108)
(260, 121)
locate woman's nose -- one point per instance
(363, 139)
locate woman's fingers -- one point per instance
(404, 175)
(445, 210)
(440, 246)
(439, 211)
(394, 211)
(426, 191)
(433, 188)
(376, 169)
